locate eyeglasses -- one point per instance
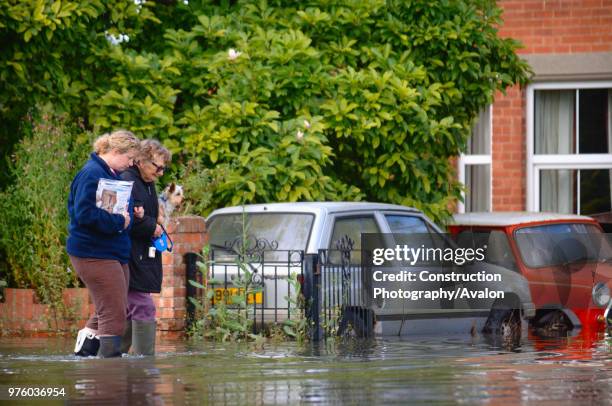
(158, 168)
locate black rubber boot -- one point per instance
(143, 337)
(109, 346)
(126, 339)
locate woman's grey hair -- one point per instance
(149, 149)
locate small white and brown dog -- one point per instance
(169, 199)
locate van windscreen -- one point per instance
(289, 230)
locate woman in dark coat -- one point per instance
(145, 261)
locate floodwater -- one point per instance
(428, 370)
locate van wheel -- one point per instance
(504, 326)
(357, 323)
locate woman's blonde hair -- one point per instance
(149, 149)
(120, 140)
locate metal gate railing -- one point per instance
(343, 303)
(256, 277)
(281, 285)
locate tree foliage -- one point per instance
(51, 52)
(316, 100)
(33, 224)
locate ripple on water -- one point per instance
(429, 369)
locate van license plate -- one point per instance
(227, 293)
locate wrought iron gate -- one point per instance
(326, 288)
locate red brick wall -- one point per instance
(188, 235)
(21, 314)
(559, 26)
(544, 27)
(509, 151)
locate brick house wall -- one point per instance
(22, 313)
(559, 26)
(189, 235)
(545, 27)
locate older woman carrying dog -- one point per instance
(145, 261)
(99, 245)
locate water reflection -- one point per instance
(458, 369)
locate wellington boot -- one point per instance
(87, 343)
(126, 339)
(143, 337)
(109, 346)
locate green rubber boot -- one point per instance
(126, 339)
(109, 346)
(143, 337)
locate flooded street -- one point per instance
(428, 370)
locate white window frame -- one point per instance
(477, 159)
(539, 162)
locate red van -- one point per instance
(566, 258)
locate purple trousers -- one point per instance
(140, 306)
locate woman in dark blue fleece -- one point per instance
(99, 244)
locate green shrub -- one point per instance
(51, 53)
(220, 321)
(323, 100)
(317, 100)
(33, 209)
(200, 185)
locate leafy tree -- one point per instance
(313, 100)
(51, 51)
(318, 100)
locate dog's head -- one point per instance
(173, 193)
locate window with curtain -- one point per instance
(475, 166)
(572, 149)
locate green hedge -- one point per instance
(33, 210)
(317, 100)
